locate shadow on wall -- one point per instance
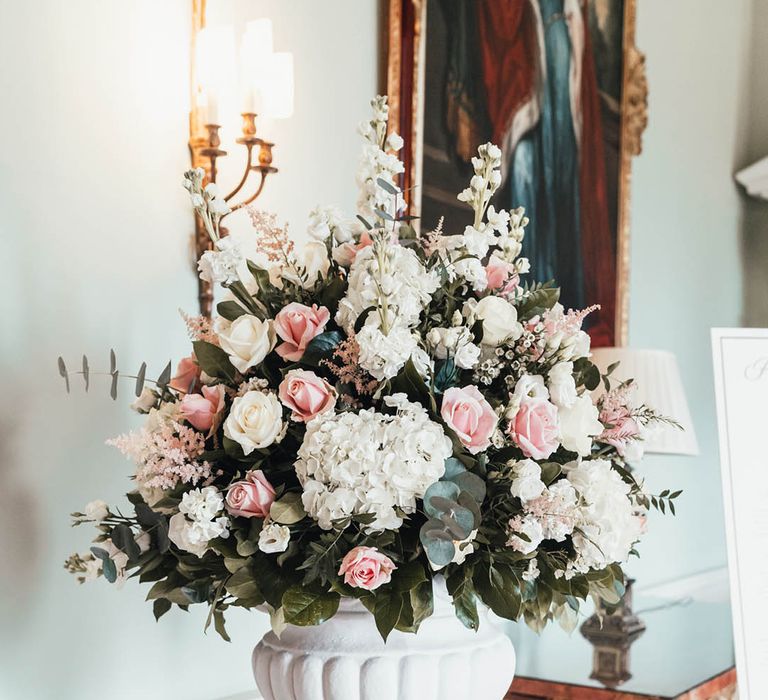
(755, 252)
(18, 514)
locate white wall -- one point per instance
(94, 227)
(686, 266)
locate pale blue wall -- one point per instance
(686, 262)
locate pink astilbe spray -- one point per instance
(200, 328)
(273, 240)
(348, 368)
(617, 415)
(166, 455)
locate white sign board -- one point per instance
(740, 357)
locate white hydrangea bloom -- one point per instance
(325, 222)
(198, 520)
(369, 462)
(609, 524)
(527, 483)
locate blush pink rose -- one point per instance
(534, 428)
(252, 497)
(203, 410)
(499, 273)
(346, 253)
(187, 377)
(366, 567)
(470, 416)
(306, 394)
(297, 324)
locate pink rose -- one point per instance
(534, 428)
(297, 324)
(252, 497)
(346, 253)
(366, 567)
(471, 417)
(202, 410)
(306, 394)
(187, 377)
(500, 274)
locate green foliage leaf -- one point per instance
(63, 372)
(321, 347)
(550, 471)
(214, 361)
(303, 606)
(497, 586)
(160, 607)
(446, 376)
(410, 382)
(122, 538)
(462, 592)
(197, 592)
(140, 377)
(538, 299)
(472, 484)
(230, 310)
(288, 510)
(386, 611)
(218, 625)
(113, 386)
(586, 374)
(165, 377)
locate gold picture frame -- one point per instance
(407, 24)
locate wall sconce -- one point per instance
(264, 81)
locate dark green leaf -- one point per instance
(410, 382)
(230, 310)
(387, 611)
(497, 587)
(464, 600)
(197, 592)
(160, 607)
(113, 386)
(122, 538)
(446, 375)
(321, 347)
(303, 606)
(214, 361)
(165, 377)
(365, 223)
(218, 625)
(550, 471)
(100, 553)
(112, 361)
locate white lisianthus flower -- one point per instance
(527, 483)
(455, 342)
(247, 340)
(255, 421)
(179, 530)
(383, 356)
(578, 425)
(96, 510)
(562, 385)
(274, 538)
(499, 319)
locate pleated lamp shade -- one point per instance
(659, 387)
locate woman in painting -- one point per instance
(541, 105)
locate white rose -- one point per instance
(96, 510)
(146, 401)
(179, 529)
(527, 483)
(247, 340)
(499, 319)
(314, 260)
(255, 421)
(562, 385)
(578, 425)
(274, 538)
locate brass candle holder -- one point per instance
(205, 150)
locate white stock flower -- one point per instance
(96, 510)
(477, 241)
(532, 572)
(562, 385)
(255, 421)
(179, 530)
(499, 319)
(472, 271)
(383, 356)
(527, 484)
(579, 424)
(370, 462)
(325, 222)
(247, 340)
(274, 538)
(455, 342)
(402, 278)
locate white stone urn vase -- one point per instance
(346, 659)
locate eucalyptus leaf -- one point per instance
(472, 484)
(109, 569)
(113, 386)
(387, 186)
(86, 373)
(439, 552)
(63, 372)
(165, 376)
(140, 377)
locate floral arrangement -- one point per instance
(373, 409)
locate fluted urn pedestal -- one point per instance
(346, 659)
